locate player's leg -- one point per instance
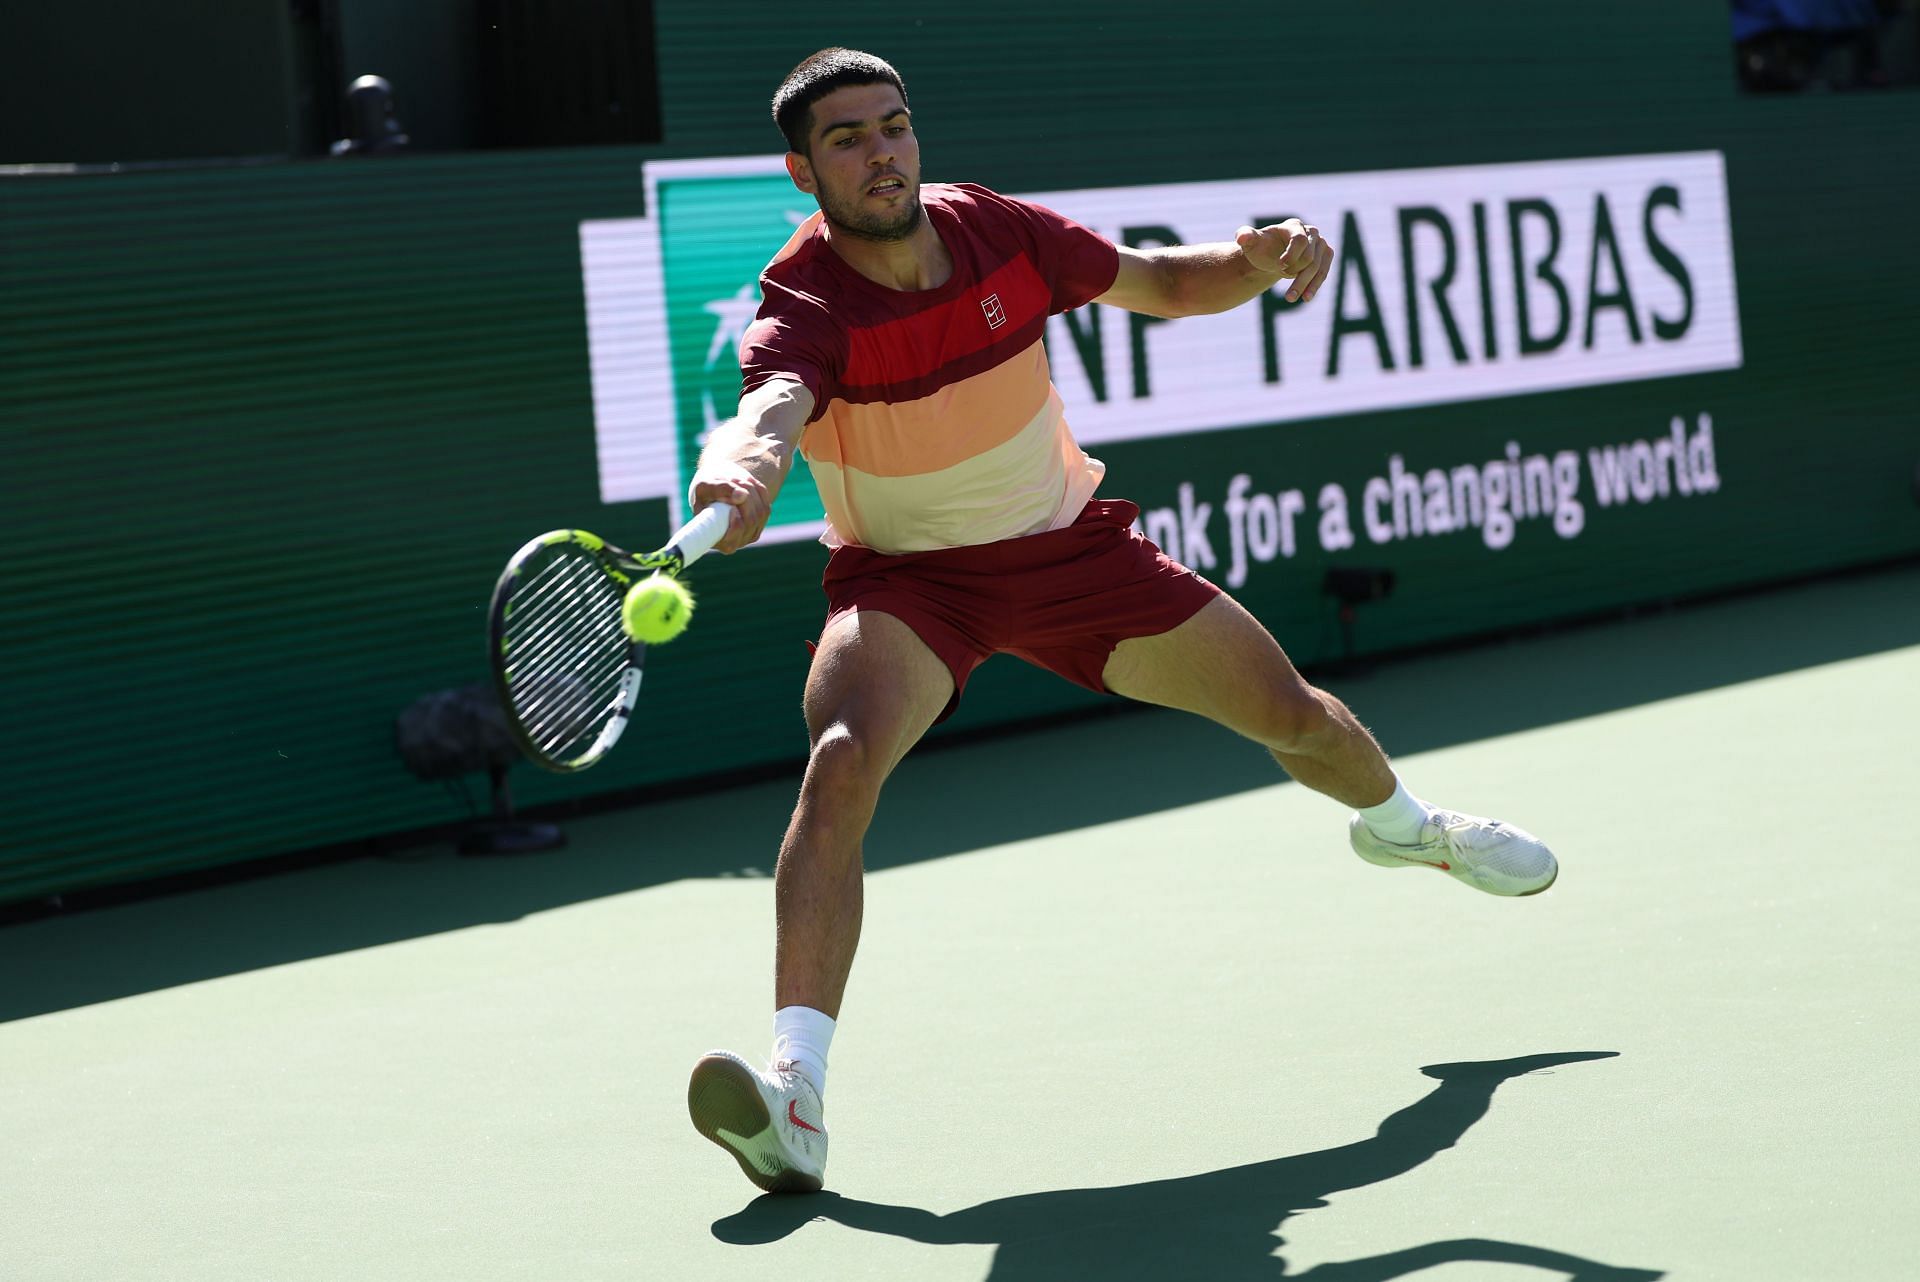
(874, 689)
(1222, 664)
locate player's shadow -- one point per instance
(1220, 1225)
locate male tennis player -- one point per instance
(898, 348)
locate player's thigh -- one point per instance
(874, 679)
(1223, 664)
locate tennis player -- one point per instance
(898, 348)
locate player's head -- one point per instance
(850, 142)
(816, 77)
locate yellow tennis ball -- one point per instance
(657, 609)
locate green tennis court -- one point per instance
(1125, 1008)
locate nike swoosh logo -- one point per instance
(795, 1119)
(1442, 865)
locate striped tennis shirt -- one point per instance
(935, 420)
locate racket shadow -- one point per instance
(1218, 1225)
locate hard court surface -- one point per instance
(1126, 1008)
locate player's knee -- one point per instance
(845, 761)
(1293, 718)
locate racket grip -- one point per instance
(696, 538)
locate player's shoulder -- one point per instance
(796, 312)
(985, 211)
(799, 280)
(800, 259)
(987, 216)
(965, 198)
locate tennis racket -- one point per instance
(566, 672)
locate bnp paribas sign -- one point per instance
(1452, 284)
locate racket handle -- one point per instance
(696, 538)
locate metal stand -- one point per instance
(503, 834)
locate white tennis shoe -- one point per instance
(1485, 853)
(772, 1122)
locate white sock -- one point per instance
(802, 1034)
(1398, 818)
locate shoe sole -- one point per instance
(1402, 861)
(726, 1107)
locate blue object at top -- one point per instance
(1753, 17)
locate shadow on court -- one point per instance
(1220, 1225)
(1056, 779)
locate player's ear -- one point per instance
(801, 171)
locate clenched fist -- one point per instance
(1290, 249)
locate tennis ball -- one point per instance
(657, 609)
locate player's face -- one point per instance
(863, 162)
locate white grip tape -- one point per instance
(697, 537)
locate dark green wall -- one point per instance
(271, 433)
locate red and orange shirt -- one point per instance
(935, 421)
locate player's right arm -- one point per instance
(747, 458)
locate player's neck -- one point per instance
(921, 261)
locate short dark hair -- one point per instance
(819, 75)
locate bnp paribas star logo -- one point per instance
(731, 315)
(694, 263)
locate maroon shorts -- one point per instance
(1061, 600)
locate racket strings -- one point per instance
(579, 710)
(548, 613)
(565, 652)
(573, 660)
(565, 707)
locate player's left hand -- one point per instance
(1290, 249)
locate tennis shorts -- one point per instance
(1061, 600)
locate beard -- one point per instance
(848, 215)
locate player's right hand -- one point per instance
(750, 502)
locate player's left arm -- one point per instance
(1194, 280)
